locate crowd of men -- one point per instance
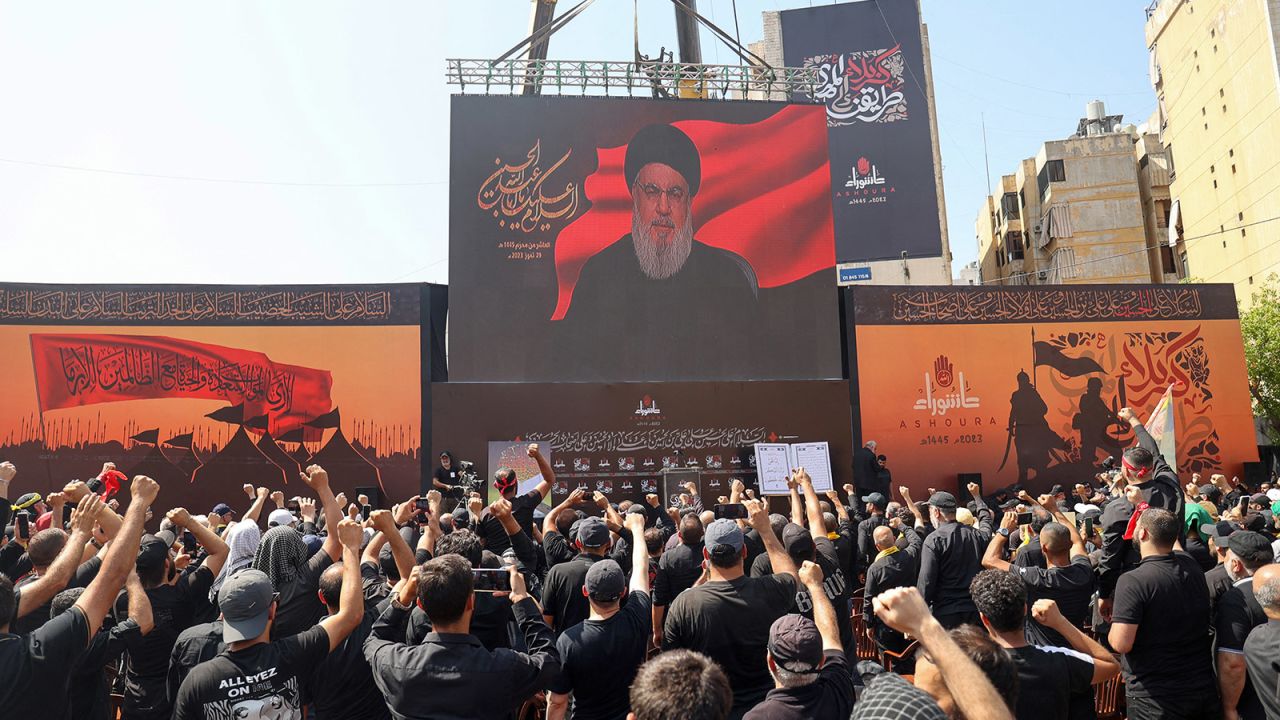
(1001, 606)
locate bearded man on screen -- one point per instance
(659, 284)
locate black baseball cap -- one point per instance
(593, 533)
(876, 499)
(153, 550)
(1057, 488)
(797, 541)
(1251, 546)
(943, 500)
(222, 509)
(795, 644)
(1219, 531)
(605, 580)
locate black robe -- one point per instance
(694, 325)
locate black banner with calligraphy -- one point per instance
(870, 60)
(618, 438)
(927, 305)
(38, 304)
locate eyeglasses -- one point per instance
(653, 192)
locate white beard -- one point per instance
(659, 260)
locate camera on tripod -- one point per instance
(468, 478)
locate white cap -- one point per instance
(280, 516)
(1273, 494)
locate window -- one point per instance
(1014, 243)
(1221, 93)
(1052, 172)
(1167, 264)
(1168, 155)
(1186, 269)
(1009, 206)
(1211, 169)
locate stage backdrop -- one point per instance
(617, 438)
(871, 62)
(611, 239)
(944, 373)
(205, 388)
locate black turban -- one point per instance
(669, 146)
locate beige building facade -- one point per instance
(1085, 209)
(1214, 69)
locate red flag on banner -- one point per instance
(765, 195)
(76, 370)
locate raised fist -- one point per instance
(143, 489)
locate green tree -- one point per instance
(1261, 328)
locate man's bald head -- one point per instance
(883, 537)
(707, 517)
(1266, 589)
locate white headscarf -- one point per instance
(243, 539)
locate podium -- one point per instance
(673, 481)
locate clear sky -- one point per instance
(290, 141)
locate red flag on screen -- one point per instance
(75, 370)
(765, 195)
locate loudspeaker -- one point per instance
(1255, 473)
(962, 485)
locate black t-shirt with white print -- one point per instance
(264, 681)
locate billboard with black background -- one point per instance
(870, 61)
(617, 438)
(1021, 384)
(614, 239)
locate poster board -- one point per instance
(776, 461)
(515, 455)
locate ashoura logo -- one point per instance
(864, 175)
(944, 390)
(648, 406)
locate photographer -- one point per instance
(448, 479)
(450, 672)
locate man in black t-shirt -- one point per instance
(950, 557)
(341, 686)
(43, 548)
(1156, 484)
(1262, 649)
(1048, 677)
(1067, 577)
(507, 484)
(678, 569)
(35, 669)
(893, 567)
(875, 505)
(175, 597)
(89, 697)
(1235, 616)
(563, 604)
(255, 677)
(728, 617)
(1160, 626)
(807, 662)
(599, 657)
(449, 670)
(1216, 578)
